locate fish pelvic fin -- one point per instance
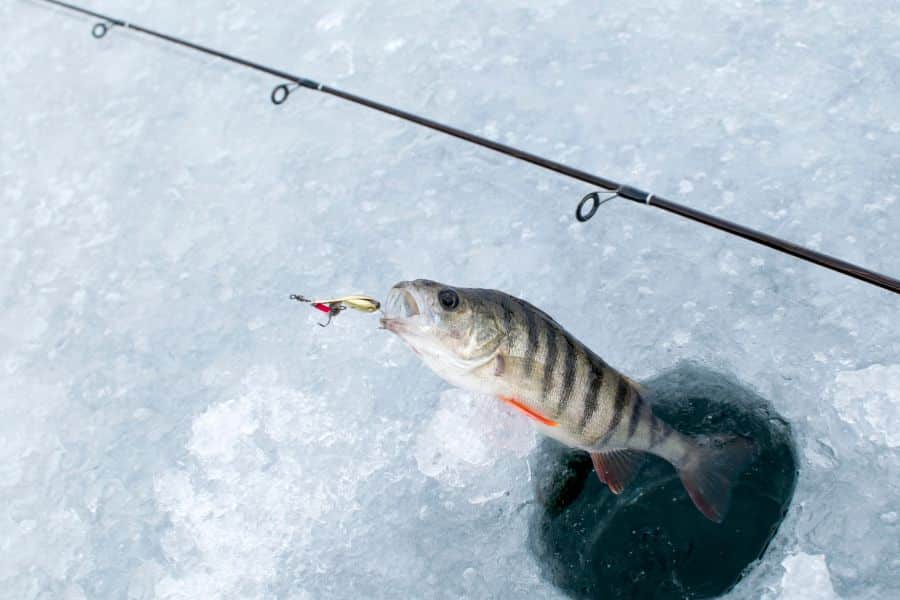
(617, 468)
(711, 470)
(529, 412)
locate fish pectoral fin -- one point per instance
(529, 412)
(499, 365)
(616, 468)
(508, 366)
(517, 368)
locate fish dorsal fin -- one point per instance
(616, 468)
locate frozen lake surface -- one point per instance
(173, 427)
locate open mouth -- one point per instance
(400, 304)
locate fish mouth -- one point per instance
(399, 308)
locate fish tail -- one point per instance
(711, 469)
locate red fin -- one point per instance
(616, 468)
(534, 415)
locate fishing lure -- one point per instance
(335, 306)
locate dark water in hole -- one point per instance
(650, 542)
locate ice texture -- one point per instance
(806, 577)
(173, 427)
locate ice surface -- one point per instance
(174, 427)
(466, 435)
(869, 400)
(806, 577)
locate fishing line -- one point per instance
(588, 205)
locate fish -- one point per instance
(488, 342)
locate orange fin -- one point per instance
(534, 415)
(616, 468)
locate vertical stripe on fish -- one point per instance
(548, 383)
(634, 417)
(623, 392)
(507, 324)
(532, 335)
(591, 395)
(568, 379)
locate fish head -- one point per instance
(453, 329)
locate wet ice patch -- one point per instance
(869, 400)
(44, 536)
(218, 432)
(394, 45)
(806, 578)
(332, 20)
(341, 57)
(257, 484)
(467, 435)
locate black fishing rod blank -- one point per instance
(589, 203)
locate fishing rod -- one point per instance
(588, 205)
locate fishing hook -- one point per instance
(328, 308)
(331, 314)
(594, 197)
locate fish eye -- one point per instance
(448, 299)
